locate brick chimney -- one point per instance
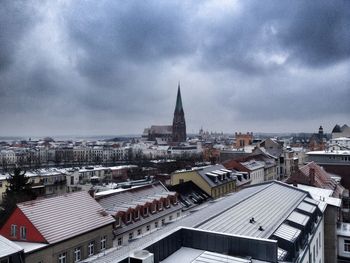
(312, 176)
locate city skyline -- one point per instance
(112, 67)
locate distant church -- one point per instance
(165, 134)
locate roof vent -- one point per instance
(252, 220)
(261, 228)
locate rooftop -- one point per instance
(62, 217)
(8, 247)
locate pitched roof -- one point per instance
(8, 248)
(269, 208)
(62, 217)
(161, 129)
(322, 179)
(122, 201)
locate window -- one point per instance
(128, 217)
(137, 214)
(163, 221)
(178, 214)
(319, 238)
(13, 230)
(77, 254)
(62, 258)
(91, 248)
(181, 181)
(170, 218)
(160, 205)
(156, 224)
(145, 211)
(139, 232)
(120, 241)
(103, 242)
(148, 227)
(23, 232)
(117, 221)
(131, 235)
(154, 208)
(167, 203)
(346, 245)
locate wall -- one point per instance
(50, 254)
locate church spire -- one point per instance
(178, 107)
(179, 124)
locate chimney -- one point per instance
(312, 176)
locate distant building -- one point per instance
(165, 134)
(179, 124)
(214, 180)
(334, 162)
(343, 131)
(243, 140)
(318, 141)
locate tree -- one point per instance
(18, 190)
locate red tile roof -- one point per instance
(322, 179)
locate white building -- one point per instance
(256, 169)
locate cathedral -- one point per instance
(169, 134)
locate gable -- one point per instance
(18, 219)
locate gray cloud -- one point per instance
(113, 66)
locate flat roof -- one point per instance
(191, 255)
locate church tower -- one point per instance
(179, 124)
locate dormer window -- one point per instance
(167, 203)
(175, 200)
(145, 211)
(117, 221)
(128, 217)
(154, 208)
(160, 205)
(137, 214)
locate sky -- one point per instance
(113, 66)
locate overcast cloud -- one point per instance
(112, 67)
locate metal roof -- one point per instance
(269, 208)
(134, 197)
(7, 247)
(211, 257)
(308, 208)
(287, 232)
(207, 171)
(62, 217)
(298, 218)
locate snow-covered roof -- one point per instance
(62, 217)
(8, 247)
(321, 195)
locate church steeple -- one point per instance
(178, 107)
(179, 124)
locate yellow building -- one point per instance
(3, 184)
(215, 180)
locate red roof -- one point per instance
(321, 179)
